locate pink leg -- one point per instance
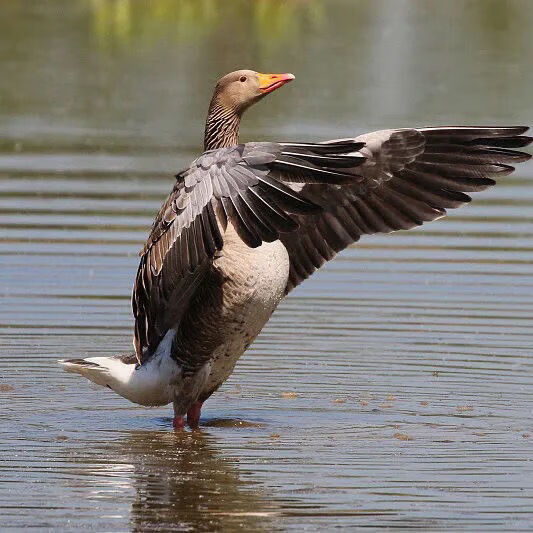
(178, 422)
(193, 414)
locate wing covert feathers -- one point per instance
(241, 184)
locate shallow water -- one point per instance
(393, 389)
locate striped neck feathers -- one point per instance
(221, 126)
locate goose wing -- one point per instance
(408, 177)
(316, 198)
(229, 184)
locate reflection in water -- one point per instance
(182, 481)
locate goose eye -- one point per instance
(242, 78)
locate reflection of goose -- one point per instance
(245, 223)
(183, 483)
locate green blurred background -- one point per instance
(115, 71)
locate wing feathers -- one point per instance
(472, 132)
(371, 217)
(284, 196)
(262, 213)
(313, 174)
(409, 177)
(333, 161)
(281, 221)
(342, 146)
(316, 198)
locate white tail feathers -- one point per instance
(104, 371)
(145, 385)
(152, 383)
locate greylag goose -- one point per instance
(245, 223)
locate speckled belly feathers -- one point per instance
(231, 307)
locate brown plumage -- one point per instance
(208, 279)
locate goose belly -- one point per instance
(255, 282)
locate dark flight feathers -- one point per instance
(410, 177)
(316, 198)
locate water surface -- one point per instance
(393, 389)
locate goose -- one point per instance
(245, 223)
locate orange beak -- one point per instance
(271, 82)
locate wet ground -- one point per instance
(393, 389)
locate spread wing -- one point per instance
(237, 184)
(410, 176)
(316, 198)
